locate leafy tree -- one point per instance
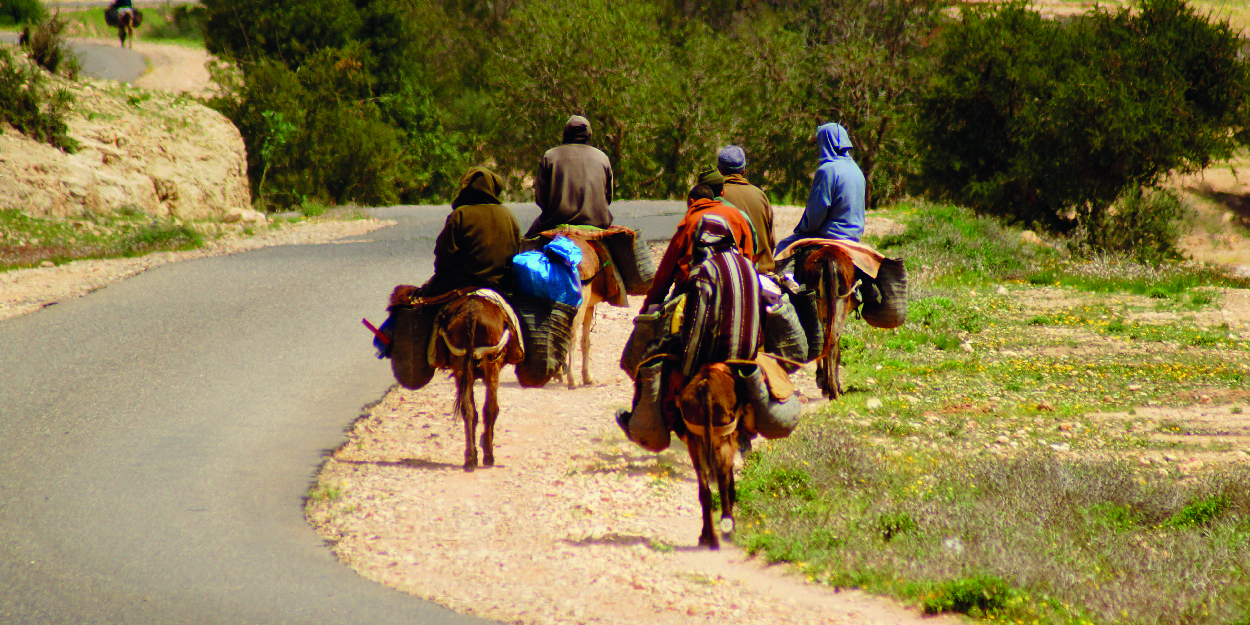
(1049, 122)
(21, 12)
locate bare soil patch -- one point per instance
(574, 524)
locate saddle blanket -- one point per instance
(866, 259)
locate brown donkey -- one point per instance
(472, 338)
(710, 409)
(595, 275)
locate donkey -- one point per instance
(472, 338)
(710, 408)
(595, 276)
(126, 22)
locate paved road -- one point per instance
(159, 434)
(100, 61)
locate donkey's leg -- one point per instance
(587, 320)
(490, 411)
(466, 407)
(578, 320)
(694, 444)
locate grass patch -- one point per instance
(27, 241)
(977, 484)
(1037, 536)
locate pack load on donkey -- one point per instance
(611, 263)
(663, 341)
(834, 277)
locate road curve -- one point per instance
(100, 61)
(159, 434)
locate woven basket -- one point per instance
(806, 306)
(547, 326)
(885, 299)
(411, 330)
(633, 259)
(784, 334)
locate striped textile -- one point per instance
(723, 317)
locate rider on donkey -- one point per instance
(702, 201)
(731, 161)
(574, 182)
(479, 239)
(722, 318)
(835, 206)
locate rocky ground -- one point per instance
(153, 148)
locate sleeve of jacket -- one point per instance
(542, 183)
(817, 203)
(448, 244)
(607, 175)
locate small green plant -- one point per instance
(979, 595)
(28, 105)
(324, 492)
(48, 48)
(894, 523)
(1199, 513)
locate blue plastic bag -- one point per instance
(550, 273)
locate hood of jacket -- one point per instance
(576, 130)
(479, 185)
(833, 142)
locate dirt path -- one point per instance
(574, 524)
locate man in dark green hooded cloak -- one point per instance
(479, 239)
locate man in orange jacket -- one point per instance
(703, 200)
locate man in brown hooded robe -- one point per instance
(479, 239)
(574, 183)
(732, 162)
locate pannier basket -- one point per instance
(885, 299)
(650, 332)
(547, 326)
(411, 331)
(784, 334)
(807, 306)
(768, 416)
(633, 259)
(110, 17)
(646, 425)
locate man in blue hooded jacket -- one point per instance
(835, 207)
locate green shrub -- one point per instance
(1144, 224)
(1036, 119)
(21, 12)
(980, 595)
(28, 106)
(1200, 512)
(48, 48)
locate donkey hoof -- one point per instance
(726, 525)
(470, 465)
